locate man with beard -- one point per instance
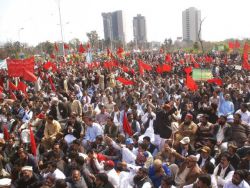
(187, 129)
(141, 179)
(27, 180)
(222, 132)
(76, 180)
(237, 181)
(240, 131)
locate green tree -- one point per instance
(93, 39)
(46, 47)
(196, 46)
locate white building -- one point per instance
(139, 27)
(191, 19)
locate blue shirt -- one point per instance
(225, 107)
(93, 131)
(156, 180)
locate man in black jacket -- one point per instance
(162, 124)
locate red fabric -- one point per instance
(100, 157)
(56, 47)
(190, 83)
(12, 96)
(208, 59)
(188, 70)
(125, 81)
(245, 63)
(81, 49)
(231, 45)
(66, 46)
(125, 68)
(16, 67)
(163, 68)
(217, 81)
(41, 116)
(22, 87)
(182, 62)
(52, 84)
(12, 86)
(237, 44)
(126, 127)
(29, 76)
(143, 66)
(32, 142)
(6, 133)
(119, 52)
(47, 65)
(168, 58)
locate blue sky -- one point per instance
(39, 18)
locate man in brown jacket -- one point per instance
(187, 173)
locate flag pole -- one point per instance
(60, 18)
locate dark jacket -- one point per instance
(162, 124)
(62, 110)
(227, 132)
(111, 132)
(33, 182)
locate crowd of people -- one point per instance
(93, 131)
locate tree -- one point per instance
(196, 46)
(93, 39)
(46, 47)
(74, 43)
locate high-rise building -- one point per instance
(139, 26)
(113, 26)
(191, 19)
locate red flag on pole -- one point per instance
(168, 58)
(81, 49)
(245, 63)
(66, 46)
(52, 84)
(29, 76)
(217, 81)
(237, 44)
(126, 127)
(143, 66)
(12, 96)
(231, 45)
(32, 142)
(22, 87)
(6, 133)
(125, 81)
(12, 86)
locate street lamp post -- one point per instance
(19, 38)
(60, 18)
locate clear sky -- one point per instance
(39, 18)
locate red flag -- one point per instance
(125, 81)
(125, 68)
(119, 52)
(12, 86)
(12, 96)
(22, 87)
(81, 49)
(32, 142)
(47, 65)
(188, 70)
(56, 47)
(6, 133)
(245, 63)
(168, 58)
(52, 84)
(208, 59)
(217, 81)
(237, 44)
(29, 76)
(143, 66)
(126, 127)
(190, 83)
(231, 45)
(181, 61)
(66, 46)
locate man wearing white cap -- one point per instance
(27, 180)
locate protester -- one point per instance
(125, 120)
